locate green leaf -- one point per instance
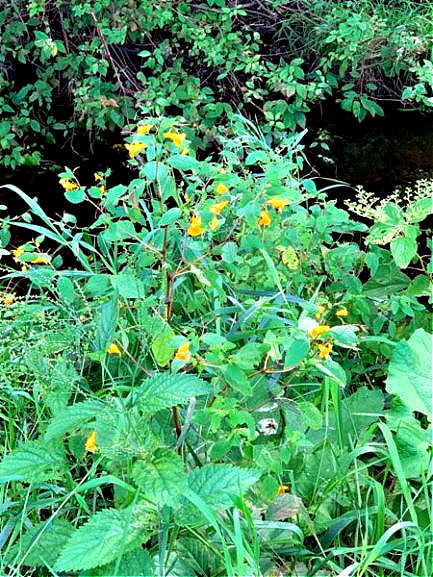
(229, 252)
(410, 372)
(237, 379)
(72, 418)
(183, 162)
(333, 370)
(136, 563)
(75, 196)
(403, 249)
(66, 288)
(166, 390)
(296, 349)
(162, 347)
(128, 285)
(345, 335)
(107, 324)
(103, 539)
(163, 478)
(171, 216)
(32, 462)
(118, 231)
(419, 210)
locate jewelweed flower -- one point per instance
(343, 312)
(41, 259)
(144, 129)
(195, 228)
(135, 148)
(322, 309)
(176, 137)
(278, 203)
(91, 442)
(24, 268)
(324, 350)
(221, 188)
(8, 299)
(185, 152)
(282, 489)
(103, 190)
(68, 184)
(113, 349)
(17, 253)
(98, 176)
(264, 219)
(317, 331)
(218, 207)
(214, 223)
(182, 353)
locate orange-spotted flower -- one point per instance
(322, 309)
(135, 148)
(113, 349)
(317, 331)
(144, 129)
(68, 184)
(324, 350)
(176, 137)
(183, 353)
(218, 207)
(214, 223)
(90, 445)
(282, 489)
(8, 299)
(343, 312)
(278, 203)
(195, 228)
(264, 219)
(221, 188)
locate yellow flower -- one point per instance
(221, 188)
(135, 148)
(324, 350)
(41, 259)
(144, 129)
(103, 190)
(317, 331)
(24, 268)
(322, 309)
(216, 208)
(113, 349)
(68, 184)
(343, 312)
(195, 228)
(214, 223)
(282, 489)
(91, 442)
(8, 299)
(265, 219)
(278, 203)
(176, 137)
(98, 176)
(185, 152)
(182, 353)
(17, 253)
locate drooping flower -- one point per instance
(113, 349)
(41, 259)
(324, 350)
(214, 223)
(195, 228)
(322, 309)
(221, 188)
(176, 137)
(183, 354)
(144, 129)
(68, 184)
(90, 445)
(98, 176)
(17, 253)
(8, 299)
(135, 148)
(103, 190)
(278, 203)
(317, 331)
(343, 312)
(216, 208)
(282, 489)
(264, 219)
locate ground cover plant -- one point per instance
(232, 378)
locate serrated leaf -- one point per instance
(136, 563)
(103, 538)
(166, 390)
(73, 417)
(403, 249)
(32, 462)
(128, 285)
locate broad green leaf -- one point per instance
(237, 379)
(345, 335)
(296, 349)
(183, 162)
(403, 249)
(118, 231)
(166, 390)
(162, 347)
(135, 563)
(128, 285)
(333, 370)
(75, 196)
(32, 462)
(73, 417)
(107, 324)
(410, 372)
(171, 216)
(419, 210)
(229, 252)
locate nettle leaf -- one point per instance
(32, 462)
(73, 417)
(128, 285)
(166, 390)
(410, 372)
(106, 536)
(136, 563)
(163, 478)
(45, 542)
(403, 249)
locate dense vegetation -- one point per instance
(219, 367)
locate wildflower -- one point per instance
(8, 300)
(135, 148)
(17, 253)
(113, 349)
(322, 309)
(98, 176)
(185, 152)
(144, 129)
(317, 331)
(68, 184)
(24, 268)
(103, 190)
(195, 228)
(221, 188)
(216, 208)
(91, 442)
(214, 223)
(41, 259)
(176, 137)
(182, 353)
(265, 219)
(343, 312)
(324, 350)
(278, 203)
(282, 489)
